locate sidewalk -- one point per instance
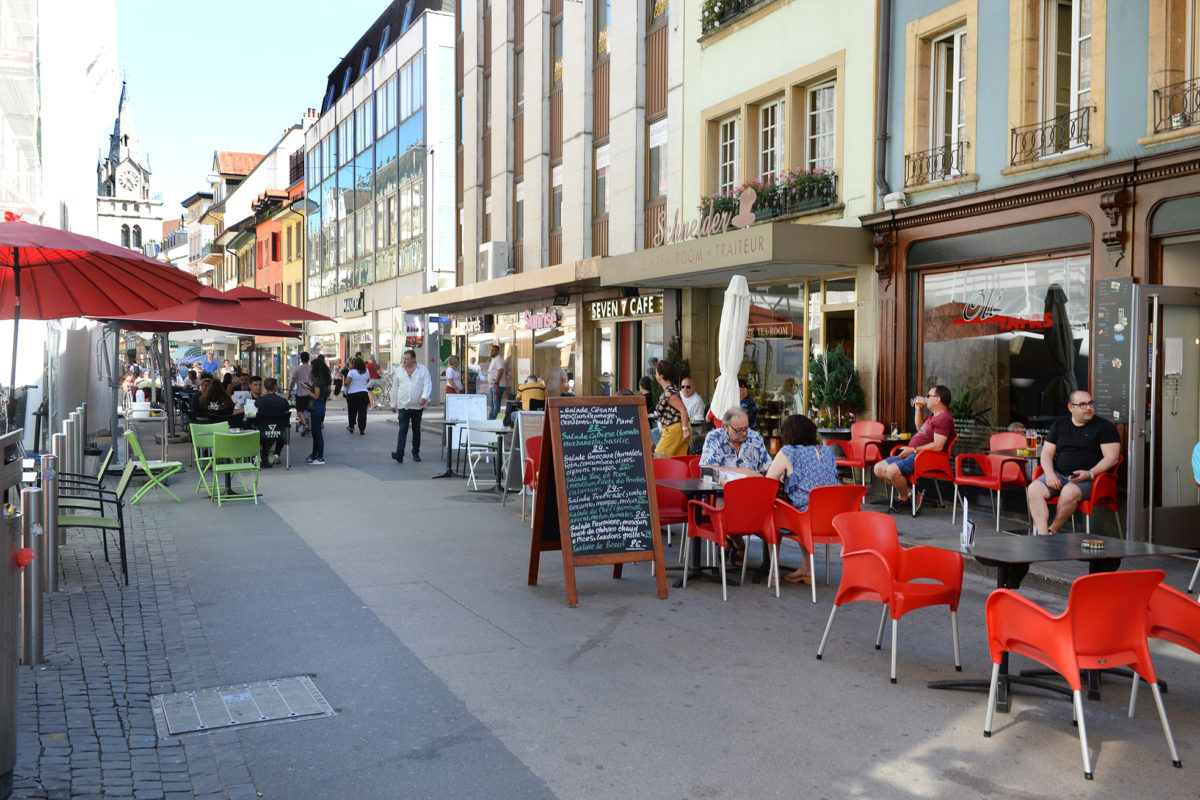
(404, 600)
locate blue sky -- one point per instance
(226, 76)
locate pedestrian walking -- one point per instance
(318, 393)
(357, 396)
(411, 388)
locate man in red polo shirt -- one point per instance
(935, 434)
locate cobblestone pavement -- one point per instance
(85, 726)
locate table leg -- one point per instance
(449, 473)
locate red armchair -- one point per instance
(996, 472)
(747, 510)
(929, 464)
(672, 504)
(529, 471)
(863, 450)
(1104, 495)
(1104, 626)
(814, 525)
(876, 568)
(1173, 617)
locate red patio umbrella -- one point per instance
(210, 309)
(262, 303)
(46, 273)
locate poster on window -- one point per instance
(414, 330)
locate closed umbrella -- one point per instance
(46, 273)
(1061, 345)
(731, 344)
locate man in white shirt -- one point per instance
(692, 400)
(411, 388)
(497, 382)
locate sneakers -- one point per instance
(272, 459)
(398, 457)
(311, 460)
(900, 506)
(416, 457)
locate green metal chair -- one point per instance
(82, 481)
(156, 471)
(235, 454)
(98, 520)
(202, 443)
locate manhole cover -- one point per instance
(261, 703)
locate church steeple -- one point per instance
(123, 143)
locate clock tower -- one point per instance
(126, 212)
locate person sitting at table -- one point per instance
(801, 465)
(646, 390)
(530, 390)
(692, 399)
(244, 390)
(734, 447)
(672, 414)
(271, 404)
(1078, 447)
(748, 404)
(214, 400)
(934, 433)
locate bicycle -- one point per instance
(383, 390)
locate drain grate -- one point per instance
(261, 703)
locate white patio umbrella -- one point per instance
(731, 341)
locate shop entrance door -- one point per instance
(1164, 501)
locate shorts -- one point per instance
(303, 403)
(906, 463)
(1084, 486)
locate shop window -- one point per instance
(1017, 334)
(770, 140)
(727, 155)
(820, 149)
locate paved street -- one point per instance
(404, 600)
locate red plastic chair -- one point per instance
(1173, 617)
(529, 471)
(814, 525)
(875, 567)
(747, 511)
(996, 473)
(1104, 494)
(1103, 626)
(672, 504)
(692, 462)
(863, 450)
(930, 464)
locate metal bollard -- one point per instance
(64, 455)
(79, 442)
(32, 509)
(83, 424)
(10, 635)
(51, 534)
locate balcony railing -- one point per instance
(1177, 106)
(1070, 131)
(715, 13)
(938, 164)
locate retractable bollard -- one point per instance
(78, 441)
(33, 536)
(47, 556)
(64, 454)
(10, 585)
(58, 444)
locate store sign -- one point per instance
(708, 225)
(355, 304)
(540, 320)
(647, 305)
(469, 325)
(988, 306)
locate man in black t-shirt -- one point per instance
(1078, 448)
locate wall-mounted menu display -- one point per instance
(594, 501)
(1112, 362)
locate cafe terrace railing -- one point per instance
(1177, 106)
(1070, 131)
(937, 164)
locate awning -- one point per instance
(775, 251)
(536, 287)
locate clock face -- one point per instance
(127, 180)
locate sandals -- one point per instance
(806, 578)
(737, 555)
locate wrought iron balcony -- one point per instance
(1070, 131)
(715, 13)
(938, 164)
(1177, 106)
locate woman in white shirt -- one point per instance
(357, 396)
(453, 376)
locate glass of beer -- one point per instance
(1032, 438)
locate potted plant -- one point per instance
(718, 203)
(804, 188)
(834, 389)
(970, 422)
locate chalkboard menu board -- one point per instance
(593, 499)
(1113, 355)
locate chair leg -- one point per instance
(991, 705)
(954, 632)
(895, 625)
(1195, 573)
(954, 508)
(724, 589)
(684, 551)
(997, 511)
(1077, 699)
(1120, 533)
(1166, 726)
(1133, 690)
(882, 621)
(826, 569)
(825, 635)
(812, 575)
(775, 566)
(745, 560)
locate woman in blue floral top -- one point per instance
(802, 465)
